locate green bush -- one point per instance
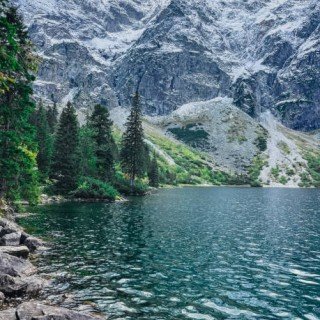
(275, 172)
(192, 134)
(262, 142)
(255, 170)
(90, 188)
(123, 185)
(283, 180)
(256, 184)
(314, 168)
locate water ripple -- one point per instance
(193, 253)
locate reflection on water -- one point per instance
(192, 253)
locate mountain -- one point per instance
(262, 54)
(230, 78)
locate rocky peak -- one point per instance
(263, 54)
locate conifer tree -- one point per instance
(18, 170)
(153, 173)
(87, 152)
(65, 163)
(52, 116)
(101, 125)
(132, 151)
(44, 140)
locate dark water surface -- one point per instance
(191, 253)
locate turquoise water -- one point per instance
(191, 253)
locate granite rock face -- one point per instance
(262, 54)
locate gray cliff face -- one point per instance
(262, 54)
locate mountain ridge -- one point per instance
(263, 54)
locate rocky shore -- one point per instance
(20, 285)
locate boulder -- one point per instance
(2, 298)
(12, 286)
(8, 226)
(24, 237)
(15, 266)
(34, 285)
(20, 251)
(36, 311)
(11, 239)
(9, 314)
(33, 243)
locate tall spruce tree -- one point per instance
(65, 163)
(133, 148)
(18, 170)
(52, 116)
(44, 140)
(87, 152)
(153, 173)
(101, 126)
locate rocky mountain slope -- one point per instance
(217, 135)
(220, 76)
(262, 54)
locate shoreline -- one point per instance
(20, 284)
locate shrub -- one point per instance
(256, 184)
(283, 180)
(275, 172)
(284, 147)
(255, 170)
(90, 188)
(123, 185)
(261, 142)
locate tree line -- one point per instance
(40, 148)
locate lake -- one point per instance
(189, 253)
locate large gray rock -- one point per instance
(8, 226)
(19, 251)
(15, 266)
(17, 277)
(11, 239)
(38, 311)
(16, 286)
(9, 314)
(12, 286)
(2, 298)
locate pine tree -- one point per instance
(133, 148)
(101, 125)
(65, 162)
(44, 140)
(153, 173)
(52, 116)
(18, 170)
(87, 152)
